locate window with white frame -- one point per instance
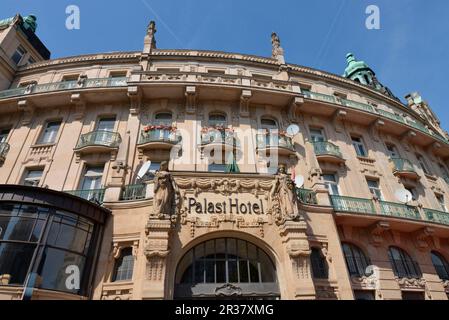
(331, 183)
(393, 151)
(423, 164)
(92, 177)
(50, 132)
(359, 146)
(317, 135)
(18, 54)
(32, 177)
(374, 188)
(441, 202)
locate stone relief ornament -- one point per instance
(412, 283)
(283, 201)
(165, 193)
(228, 290)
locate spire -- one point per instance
(150, 38)
(359, 71)
(277, 52)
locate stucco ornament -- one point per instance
(276, 44)
(283, 201)
(166, 193)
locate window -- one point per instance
(317, 135)
(92, 178)
(217, 167)
(359, 147)
(155, 166)
(413, 295)
(356, 261)
(33, 177)
(118, 74)
(441, 265)
(319, 264)
(422, 164)
(392, 151)
(124, 266)
(4, 135)
(374, 188)
(268, 124)
(50, 132)
(163, 118)
(330, 180)
(72, 77)
(403, 265)
(106, 124)
(364, 295)
(226, 261)
(31, 60)
(217, 120)
(18, 54)
(440, 199)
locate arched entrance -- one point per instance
(226, 268)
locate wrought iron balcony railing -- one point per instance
(134, 192)
(159, 135)
(4, 149)
(437, 216)
(327, 148)
(274, 140)
(219, 137)
(99, 138)
(399, 210)
(65, 85)
(306, 196)
(319, 96)
(351, 204)
(94, 195)
(403, 165)
(357, 105)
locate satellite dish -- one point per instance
(403, 195)
(293, 130)
(144, 170)
(299, 181)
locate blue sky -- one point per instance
(409, 53)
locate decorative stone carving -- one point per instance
(165, 192)
(283, 201)
(228, 290)
(135, 99)
(294, 107)
(277, 51)
(374, 129)
(422, 236)
(244, 103)
(327, 293)
(411, 283)
(337, 120)
(80, 105)
(377, 230)
(405, 139)
(27, 109)
(191, 99)
(117, 294)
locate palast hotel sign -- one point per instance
(228, 206)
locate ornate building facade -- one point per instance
(180, 174)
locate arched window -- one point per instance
(163, 118)
(403, 265)
(269, 124)
(356, 260)
(441, 265)
(124, 266)
(226, 264)
(217, 120)
(319, 264)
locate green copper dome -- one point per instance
(354, 66)
(29, 22)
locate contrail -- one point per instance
(146, 4)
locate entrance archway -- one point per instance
(226, 268)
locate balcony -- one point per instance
(164, 139)
(213, 138)
(436, 216)
(306, 196)
(357, 105)
(399, 210)
(64, 85)
(275, 143)
(328, 152)
(133, 192)
(4, 149)
(94, 195)
(351, 204)
(98, 141)
(404, 168)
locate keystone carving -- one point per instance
(377, 230)
(80, 105)
(191, 99)
(244, 103)
(406, 137)
(28, 111)
(337, 120)
(135, 99)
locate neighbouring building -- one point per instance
(174, 174)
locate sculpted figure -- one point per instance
(283, 194)
(165, 191)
